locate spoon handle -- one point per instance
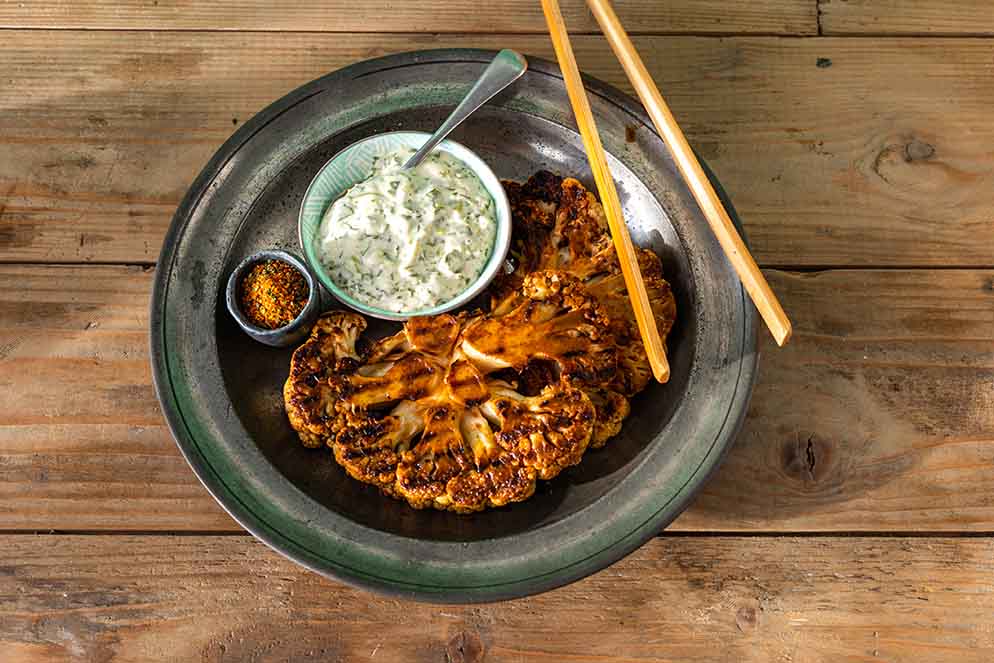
(506, 67)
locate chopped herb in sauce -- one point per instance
(409, 240)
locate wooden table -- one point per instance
(854, 519)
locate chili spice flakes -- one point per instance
(272, 294)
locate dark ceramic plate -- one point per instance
(221, 391)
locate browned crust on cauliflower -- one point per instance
(611, 409)
(417, 418)
(570, 235)
(555, 320)
(466, 412)
(548, 432)
(313, 391)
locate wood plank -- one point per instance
(878, 416)
(805, 600)
(512, 16)
(906, 17)
(80, 428)
(837, 152)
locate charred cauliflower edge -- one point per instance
(464, 412)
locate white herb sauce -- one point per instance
(409, 240)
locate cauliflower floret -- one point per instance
(313, 390)
(601, 276)
(370, 449)
(439, 455)
(580, 231)
(456, 464)
(612, 409)
(574, 239)
(533, 216)
(558, 321)
(548, 432)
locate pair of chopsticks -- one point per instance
(735, 249)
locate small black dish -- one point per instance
(290, 334)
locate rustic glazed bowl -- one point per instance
(298, 329)
(221, 391)
(353, 165)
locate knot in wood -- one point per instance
(745, 618)
(917, 150)
(806, 459)
(465, 647)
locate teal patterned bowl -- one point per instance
(354, 164)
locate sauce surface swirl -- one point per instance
(409, 240)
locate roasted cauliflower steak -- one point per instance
(560, 227)
(416, 417)
(465, 412)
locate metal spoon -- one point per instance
(506, 67)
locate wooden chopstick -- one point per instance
(750, 275)
(609, 195)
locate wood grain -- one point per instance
(836, 152)
(803, 600)
(512, 16)
(879, 416)
(906, 17)
(83, 444)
